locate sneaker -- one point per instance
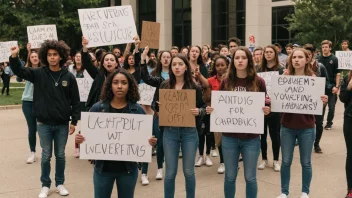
(282, 196)
(208, 162)
(262, 165)
(214, 153)
(349, 195)
(317, 149)
(44, 193)
(77, 152)
(304, 195)
(328, 127)
(199, 162)
(159, 174)
(276, 166)
(31, 158)
(221, 169)
(144, 180)
(61, 190)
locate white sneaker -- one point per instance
(61, 190)
(159, 174)
(277, 166)
(221, 169)
(199, 162)
(304, 195)
(262, 165)
(44, 193)
(208, 162)
(77, 152)
(282, 196)
(145, 180)
(31, 158)
(214, 153)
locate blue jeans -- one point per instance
(305, 139)
(159, 146)
(231, 149)
(31, 123)
(187, 139)
(49, 134)
(104, 183)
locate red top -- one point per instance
(214, 83)
(241, 85)
(297, 121)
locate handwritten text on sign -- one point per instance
(116, 136)
(345, 59)
(297, 94)
(84, 85)
(175, 108)
(108, 26)
(150, 34)
(38, 34)
(237, 112)
(267, 78)
(5, 52)
(147, 94)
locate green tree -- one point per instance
(318, 20)
(18, 14)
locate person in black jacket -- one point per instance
(346, 98)
(55, 100)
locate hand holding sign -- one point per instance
(29, 47)
(85, 43)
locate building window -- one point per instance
(146, 12)
(117, 2)
(228, 20)
(181, 23)
(280, 34)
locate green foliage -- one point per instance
(18, 14)
(318, 20)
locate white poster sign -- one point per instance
(39, 33)
(147, 94)
(345, 59)
(5, 51)
(116, 136)
(267, 78)
(84, 85)
(237, 112)
(108, 26)
(297, 94)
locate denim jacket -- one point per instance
(134, 108)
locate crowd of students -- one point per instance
(51, 105)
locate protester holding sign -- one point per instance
(131, 63)
(27, 107)
(241, 77)
(109, 64)
(297, 126)
(184, 137)
(119, 95)
(270, 63)
(55, 100)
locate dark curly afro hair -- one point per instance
(60, 46)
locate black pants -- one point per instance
(347, 131)
(331, 103)
(205, 136)
(273, 122)
(6, 85)
(319, 129)
(221, 156)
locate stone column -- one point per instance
(201, 22)
(164, 17)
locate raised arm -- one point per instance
(26, 73)
(87, 61)
(149, 80)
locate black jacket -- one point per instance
(346, 97)
(52, 105)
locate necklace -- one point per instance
(56, 82)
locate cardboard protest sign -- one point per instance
(150, 34)
(147, 94)
(267, 78)
(5, 51)
(84, 85)
(108, 26)
(345, 59)
(116, 136)
(39, 33)
(237, 112)
(175, 107)
(297, 94)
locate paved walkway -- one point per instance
(19, 180)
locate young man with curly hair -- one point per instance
(55, 100)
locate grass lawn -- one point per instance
(13, 99)
(12, 84)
